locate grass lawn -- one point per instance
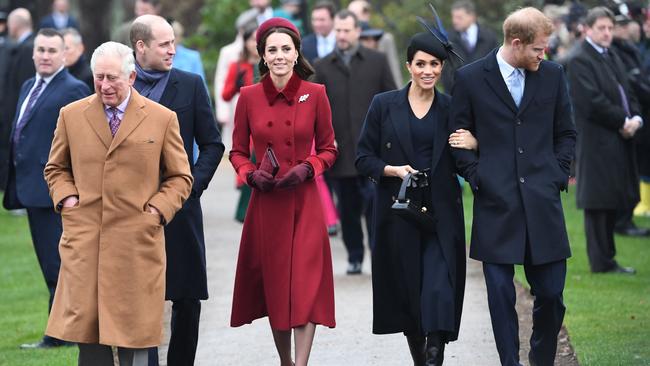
(608, 315)
(23, 303)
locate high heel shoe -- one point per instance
(417, 348)
(435, 350)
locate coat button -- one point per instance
(289, 162)
(287, 122)
(522, 180)
(518, 122)
(392, 198)
(269, 123)
(459, 201)
(520, 150)
(388, 145)
(288, 143)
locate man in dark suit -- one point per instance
(353, 75)
(624, 45)
(471, 40)
(75, 60)
(607, 116)
(152, 39)
(60, 17)
(41, 97)
(320, 43)
(518, 107)
(20, 67)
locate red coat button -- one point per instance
(288, 143)
(269, 123)
(287, 122)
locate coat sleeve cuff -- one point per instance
(61, 193)
(165, 210)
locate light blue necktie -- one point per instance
(516, 86)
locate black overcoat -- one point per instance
(350, 91)
(606, 168)
(522, 163)
(186, 95)
(396, 259)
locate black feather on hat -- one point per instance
(435, 41)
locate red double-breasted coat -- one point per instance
(284, 270)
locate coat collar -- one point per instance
(49, 88)
(133, 116)
(288, 93)
(498, 85)
(169, 94)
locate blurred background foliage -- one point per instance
(210, 24)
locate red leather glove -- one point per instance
(296, 175)
(261, 180)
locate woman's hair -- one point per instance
(248, 33)
(302, 67)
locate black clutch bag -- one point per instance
(269, 162)
(411, 210)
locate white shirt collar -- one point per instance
(47, 80)
(472, 34)
(593, 44)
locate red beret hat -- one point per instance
(275, 23)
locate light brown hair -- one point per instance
(526, 24)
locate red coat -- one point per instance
(230, 88)
(284, 268)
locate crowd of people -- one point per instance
(109, 156)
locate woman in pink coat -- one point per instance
(284, 270)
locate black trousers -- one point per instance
(354, 196)
(186, 314)
(599, 230)
(547, 284)
(46, 229)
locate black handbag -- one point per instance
(411, 210)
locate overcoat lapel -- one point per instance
(399, 116)
(495, 81)
(171, 89)
(440, 138)
(133, 116)
(96, 117)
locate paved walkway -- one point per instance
(351, 342)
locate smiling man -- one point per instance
(38, 106)
(517, 105)
(153, 40)
(117, 173)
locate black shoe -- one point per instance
(435, 352)
(46, 342)
(633, 231)
(622, 270)
(417, 347)
(354, 268)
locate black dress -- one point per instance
(436, 296)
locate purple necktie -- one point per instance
(114, 122)
(33, 96)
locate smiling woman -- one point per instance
(284, 270)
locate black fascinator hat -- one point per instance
(434, 40)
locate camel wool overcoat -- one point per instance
(111, 287)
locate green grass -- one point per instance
(608, 315)
(23, 299)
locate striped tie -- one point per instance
(33, 96)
